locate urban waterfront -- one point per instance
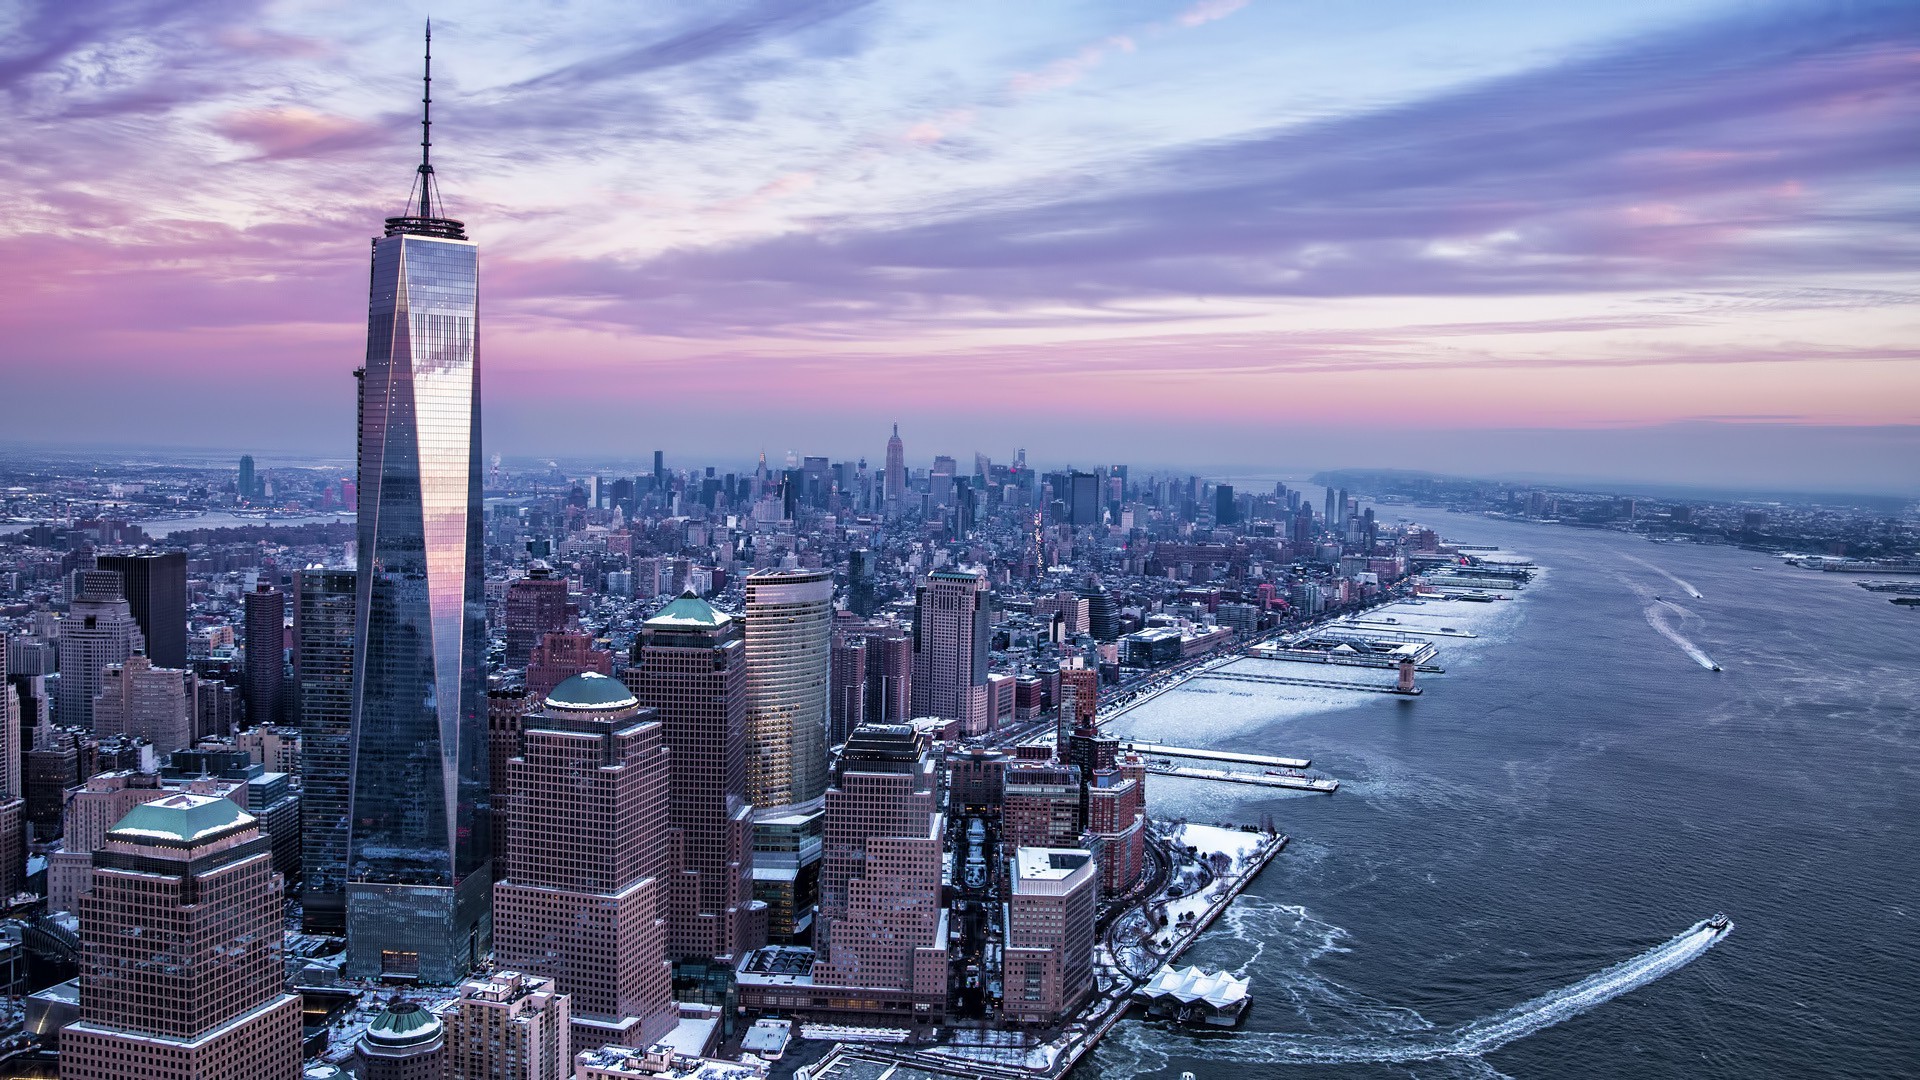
(1575, 791)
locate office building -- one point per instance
(418, 875)
(1040, 806)
(561, 655)
(889, 674)
(247, 487)
(323, 686)
(266, 644)
(881, 945)
(146, 702)
(582, 897)
(1224, 510)
(894, 480)
(849, 687)
(952, 632)
(535, 605)
(690, 668)
(181, 940)
(789, 650)
(1083, 499)
(155, 585)
(509, 1026)
(98, 632)
(1047, 963)
(13, 803)
(405, 1042)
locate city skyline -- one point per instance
(1638, 242)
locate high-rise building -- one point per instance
(146, 702)
(323, 686)
(98, 632)
(1083, 498)
(181, 936)
(418, 879)
(690, 668)
(1225, 512)
(155, 585)
(561, 655)
(895, 479)
(1040, 806)
(789, 648)
(582, 899)
(1047, 964)
(860, 575)
(889, 675)
(881, 945)
(13, 804)
(509, 1026)
(952, 632)
(405, 1042)
(535, 605)
(266, 619)
(849, 687)
(246, 488)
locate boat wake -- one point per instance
(1482, 1036)
(1655, 608)
(1682, 582)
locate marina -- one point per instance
(1292, 781)
(1147, 746)
(1323, 684)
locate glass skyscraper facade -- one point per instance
(418, 875)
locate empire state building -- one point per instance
(417, 876)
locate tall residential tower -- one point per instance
(417, 863)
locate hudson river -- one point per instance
(1506, 880)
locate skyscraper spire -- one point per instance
(426, 216)
(426, 128)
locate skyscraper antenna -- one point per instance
(426, 216)
(426, 129)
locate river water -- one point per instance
(1509, 879)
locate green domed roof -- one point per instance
(180, 819)
(592, 690)
(403, 1023)
(688, 612)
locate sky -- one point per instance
(1668, 241)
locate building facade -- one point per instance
(182, 970)
(419, 844)
(789, 650)
(266, 642)
(952, 632)
(323, 686)
(98, 632)
(1047, 964)
(155, 585)
(582, 899)
(509, 1026)
(882, 939)
(690, 668)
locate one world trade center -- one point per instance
(417, 876)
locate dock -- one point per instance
(1325, 684)
(1139, 746)
(1321, 785)
(1402, 628)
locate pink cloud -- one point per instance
(1071, 69)
(292, 130)
(1207, 11)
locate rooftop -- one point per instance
(1049, 864)
(592, 690)
(180, 819)
(689, 612)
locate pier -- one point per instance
(1402, 628)
(1320, 785)
(1163, 750)
(1326, 684)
